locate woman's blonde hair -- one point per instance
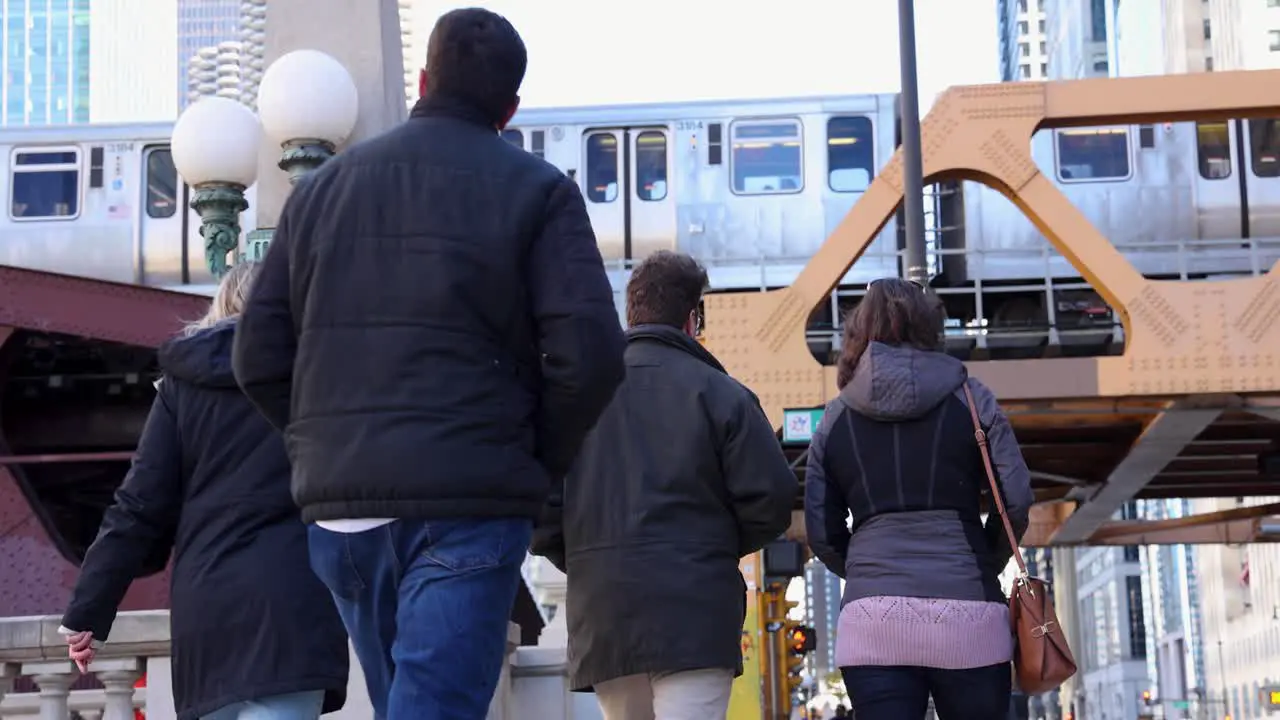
(230, 299)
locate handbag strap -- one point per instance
(981, 436)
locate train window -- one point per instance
(45, 185)
(1264, 144)
(162, 185)
(715, 144)
(513, 136)
(96, 163)
(1146, 136)
(850, 153)
(1093, 154)
(602, 167)
(1213, 150)
(539, 144)
(766, 157)
(651, 165)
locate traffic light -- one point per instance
(802, 639)
(1270, 698)
(797, 642)
(1146, 697)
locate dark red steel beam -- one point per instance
(117, 312)
(35, 576)
(64, 458)
(43, 428)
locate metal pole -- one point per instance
(1222, 675)
(912, 164)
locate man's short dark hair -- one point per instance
(664, 289)
(475, 55)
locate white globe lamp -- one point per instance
(308, 104)
(215, 150)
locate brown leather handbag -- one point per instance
(1042, 659)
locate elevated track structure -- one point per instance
(1191, 409)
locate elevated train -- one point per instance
(752, 188)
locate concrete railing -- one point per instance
(38, 681)
(33, 657)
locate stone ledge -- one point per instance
(539, 662)
(34, 638)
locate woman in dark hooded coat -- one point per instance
(254, 632)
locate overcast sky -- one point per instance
(587, 52)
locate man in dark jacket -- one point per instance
(682, 476)
(435, 333)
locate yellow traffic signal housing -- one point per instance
(774, 618)
(794, 667)
(1270, 697)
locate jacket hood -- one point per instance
(668, 335)
(901, 383)
(202, 358)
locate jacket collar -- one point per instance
(673, 337)
(441, 105)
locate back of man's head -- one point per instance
(665, 290)
(476, 56)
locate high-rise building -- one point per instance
(412, 62)
(1239, 599)
(1023, 48)
(1246, 34)
(822, 613)
(126, 85)
(45, 61)
(1175, 647)
(1079, 38)
(202, 24)
(1112, 614)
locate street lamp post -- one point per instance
(308, 104)
(917, 269)
(215, 149)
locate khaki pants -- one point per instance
(692, 695)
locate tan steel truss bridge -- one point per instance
(1192, 406)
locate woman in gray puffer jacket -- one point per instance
(923, 612)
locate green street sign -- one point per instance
(255, 245)
(798, 425)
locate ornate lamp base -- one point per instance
(299, 157)
(219, 206)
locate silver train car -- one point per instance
(752, 188)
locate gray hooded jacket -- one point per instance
(896, 451)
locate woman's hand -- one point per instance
(80, 649)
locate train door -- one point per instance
(1260, 168)
(162, 240)
(1218, 179)
(626, 181)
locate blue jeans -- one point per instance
(902, 693)
(427, 605)
(293, 706)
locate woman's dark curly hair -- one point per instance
(894, 312)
